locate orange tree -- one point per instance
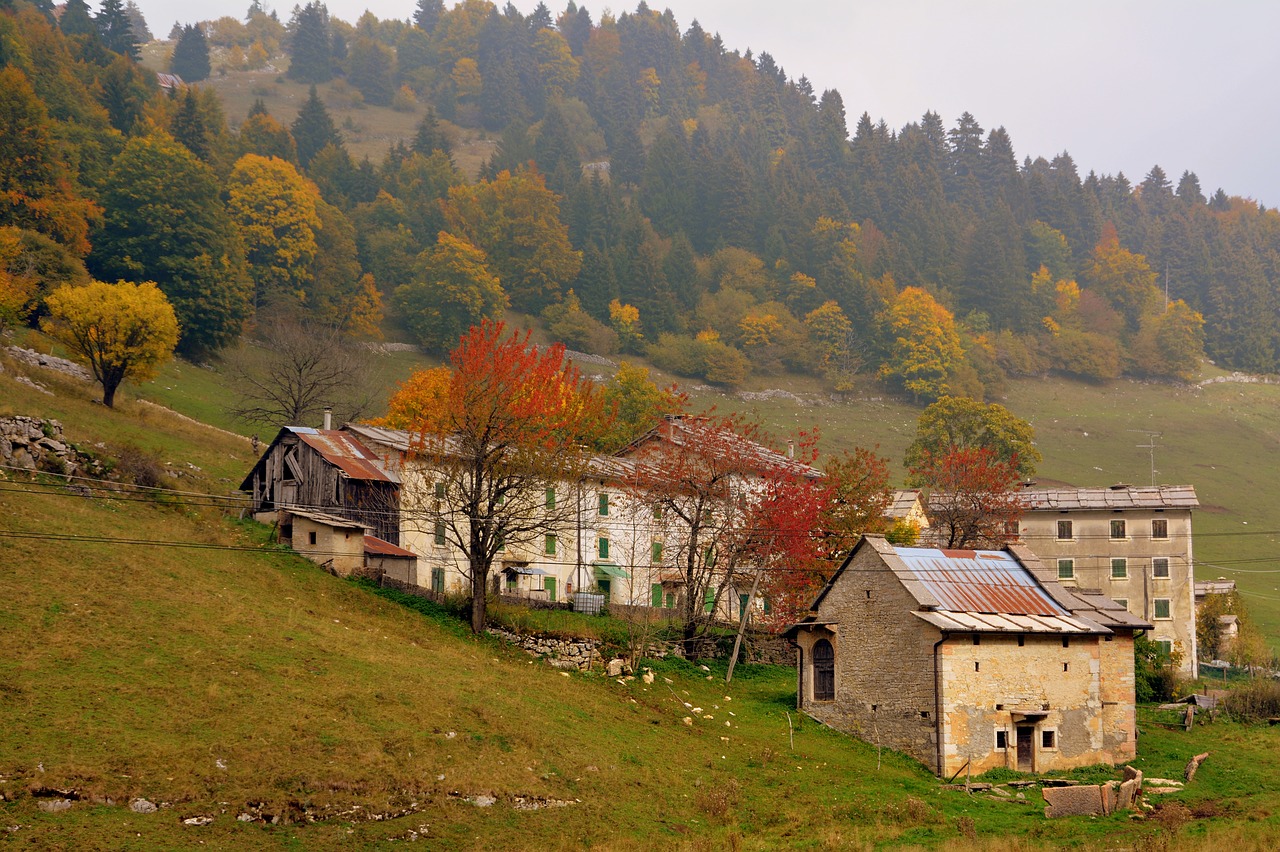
(498, 433)
(972, 496)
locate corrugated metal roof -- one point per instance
(977, 622)
(378, 547)
(344, 452)
(1116, 497)
(982, 581)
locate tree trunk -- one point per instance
(109, 393)
(479, 599)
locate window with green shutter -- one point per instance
(655, 552)
(439, 534)
(1119, 569)
(1162, 608)
(549, 546)
(709, 600)
(604, 503)
(604, 547)
(655, 592)
(551, 499)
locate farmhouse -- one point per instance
(969, 660)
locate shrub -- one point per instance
(1254, 701)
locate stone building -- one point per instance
(969, 660)
(1132, 543)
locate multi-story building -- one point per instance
(1132, 543)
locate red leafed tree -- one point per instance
(971, 495)
(509, 424)
(809, 525)
(703, 477)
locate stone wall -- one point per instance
(884, 674)
(33, 444)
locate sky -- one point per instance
(1121, 85)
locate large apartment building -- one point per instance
(1132, 543)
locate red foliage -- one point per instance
(971, 497)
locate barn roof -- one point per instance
(375, 546)
(345, 452)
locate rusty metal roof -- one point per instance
(977, 581)
(378, 547)
(1114, 497)
(344, 452)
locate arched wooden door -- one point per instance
(824, 671)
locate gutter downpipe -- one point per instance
(937, 692)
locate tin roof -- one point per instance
(1114, 497)
(978, 581)
(344, 452)
(377, 547)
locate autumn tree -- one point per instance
(958, 423)
(1170, 344)
(275, 212)
(509, 424)
(925, 348)
(122, 331)
(32, 265)
(1122, 277)
(166, 223)
(308, 367)
(37, 186)
(516, 220)
(703, 477)
(452, 290)
(971, 495)
(636, 404)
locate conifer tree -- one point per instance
(76, 19)
(312, 48)
(190, 59)
(115, 30)
(313, 129)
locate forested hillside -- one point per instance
(651, 191)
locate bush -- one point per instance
(1254, 702)
(1154, 671)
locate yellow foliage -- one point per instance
(418, 402)
(759, 329)
(466, 78)
(708, 336)
(120, 330)
(1051, 326)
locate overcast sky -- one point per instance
(1120, 85)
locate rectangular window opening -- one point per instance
(1002, 740)
(604, 503)
(1162, 608)
(1066, 569)
(1022, 640)
(1064, 530)
(1160, 528)
(1118, 529)
(549, 545)
(1160, 567)
(1120, 568)
(1048, 739)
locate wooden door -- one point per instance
(1026, 747)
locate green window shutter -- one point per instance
(709, 599)
(656, 591)
(655, 552)
(671, 600)
(550, 546)
(439, 533)
(604, 548)
(439, 490)
(551, 499)
(743, 600)
(604, 503)
(549, 583)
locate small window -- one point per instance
(1048, 739)
(1161, 608)
(439, 534)
(1124, 602)
(671, 600)
(437, 580)
(1118, 529)
(603, 547)
(977, 638)
(439, 490)
(657, 513)
(655, 592)
(549, 545)
(1066, 569)
(1159, 528)
(1064, 530)
(311, 537)
(1120, 568)
(1165, 646)
(1022, 640)
(604, 503)
(1160, 567)
(977, 666)
(655, 553)
(1066, 667)
(1066, 641)
(1002, 740)
(551, 499)
(1011, 529)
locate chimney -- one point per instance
(791, 449)
(328, 419)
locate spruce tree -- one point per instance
(312, 45)
(190, 59)
(115, 30)
(428, 13)
(313, 129)
(76, 19)
(429, 136)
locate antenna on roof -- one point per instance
(1150, 447)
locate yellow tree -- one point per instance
(1122, 277)
(556, 63)
(925, 348)
(275, 210)
(452, 291)
(122, 331)
(515, 219)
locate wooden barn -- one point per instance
(328, 471)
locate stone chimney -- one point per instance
(328, 419)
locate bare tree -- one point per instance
(307, 367)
